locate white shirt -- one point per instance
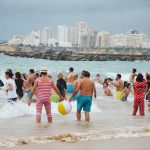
(12, 93)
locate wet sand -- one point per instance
(113, 144)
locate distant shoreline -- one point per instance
(108, 54)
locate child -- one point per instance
(107, 90)
(126, 92)
(62, 85)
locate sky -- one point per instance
(115, 16)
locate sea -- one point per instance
(110, 118)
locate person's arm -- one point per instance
(9, 87)
(56, 90)
(32, 92)
(28, 82)
(94, 89)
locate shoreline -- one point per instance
(113, 144)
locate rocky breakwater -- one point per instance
(123, 54)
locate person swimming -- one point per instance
(107, 90)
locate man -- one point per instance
(86, 88)
(70, 80)
(119, 86)
(30, 81)
(132, 76)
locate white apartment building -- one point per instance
(32, 39)
(119, 40)
(103, 39)
(47, 33)
(136, 40)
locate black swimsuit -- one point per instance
(62, 86)
(19, 84)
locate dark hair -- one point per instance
(106, 80)
(125, 84)
(24, 76)
(37, 74)
(119, 76)
(105, 83)
(98, 75)
(148, 77)
(85, 73)
(128, 84)
(71, 69)
(9, 74)
(31, 70)
(18, 75)
(139, 78)
(43, 73)
(134, 70)
(9, 70)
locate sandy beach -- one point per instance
(113, 144)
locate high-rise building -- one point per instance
(47, 33)
(119, 40)
(103, 39)
(136, 39)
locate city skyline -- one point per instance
(115, 16)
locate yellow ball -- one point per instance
(64, 107)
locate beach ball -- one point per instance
(64, 107)
(54, 98)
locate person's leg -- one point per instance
(142, 106)
(87, 108)
(135, 107)
(78, 114)
(38, 111)
(87, 116)
(48, 111)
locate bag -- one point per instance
(1, 83)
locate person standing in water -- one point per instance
(30, 81)
(119, 86)
(139, 94)
(126, 92)
(86, 88)
(70, 80)
(19, 84)
(62, 85)
(10, 87)
(132, 76)
(44, 85)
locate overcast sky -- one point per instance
(115, 16)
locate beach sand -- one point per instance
(113, 144)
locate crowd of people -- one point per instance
(40, 86)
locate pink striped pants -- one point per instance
(47, 106)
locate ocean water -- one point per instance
(109, 118)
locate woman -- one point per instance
(139, 94)
(19, 83)
(44, 85)
(10, 87)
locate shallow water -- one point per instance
(109, 118)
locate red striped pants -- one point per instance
(39, 106)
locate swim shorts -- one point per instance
(119, 95)
(84, 102)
